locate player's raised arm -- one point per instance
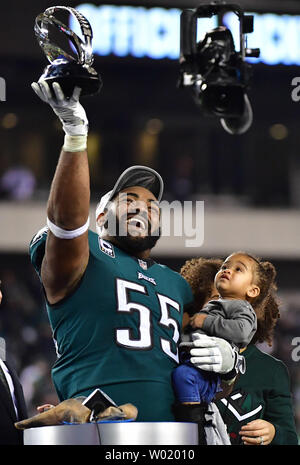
(67, 250)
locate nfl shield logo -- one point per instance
(142, 264)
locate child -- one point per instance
(244, 284)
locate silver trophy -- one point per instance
(64, 68)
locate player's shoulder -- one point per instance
(101, 249)
(176, 278)
(37, 246)
(265, 357)
(168, 271)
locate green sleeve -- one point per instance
(279, 410)
(37, 249)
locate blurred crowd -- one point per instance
(25, 327)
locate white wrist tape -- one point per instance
(65, 234)
(75, 143)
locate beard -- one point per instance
(117, 228)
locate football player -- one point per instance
(115, 313)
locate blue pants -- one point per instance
(194, 385)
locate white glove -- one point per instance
(211, 353)
(69, 110)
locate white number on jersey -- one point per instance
(124, 336)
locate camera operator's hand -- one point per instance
(69, 110)
(211, 353)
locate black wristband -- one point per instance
(230, 375)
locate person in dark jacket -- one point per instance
(12, 402)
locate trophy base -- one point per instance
(69, 75)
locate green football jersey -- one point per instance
(262, 392)
(119, 329)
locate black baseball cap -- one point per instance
(137, 175)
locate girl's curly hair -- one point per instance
(266, 304)
(200, 274)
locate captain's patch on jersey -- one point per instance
(106, 248)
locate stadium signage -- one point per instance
(154, 33)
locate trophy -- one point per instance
(64, 68)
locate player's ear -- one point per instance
(253, 291)
(101, 218)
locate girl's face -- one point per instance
(235, 279)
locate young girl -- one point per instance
(242, 284)
(260, 406)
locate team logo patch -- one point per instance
(106, 248)
(146, 278)
(143, 264)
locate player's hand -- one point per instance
(211, 353)
(44, 407)
(69, 410)
(69, 110)
(257, 432)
